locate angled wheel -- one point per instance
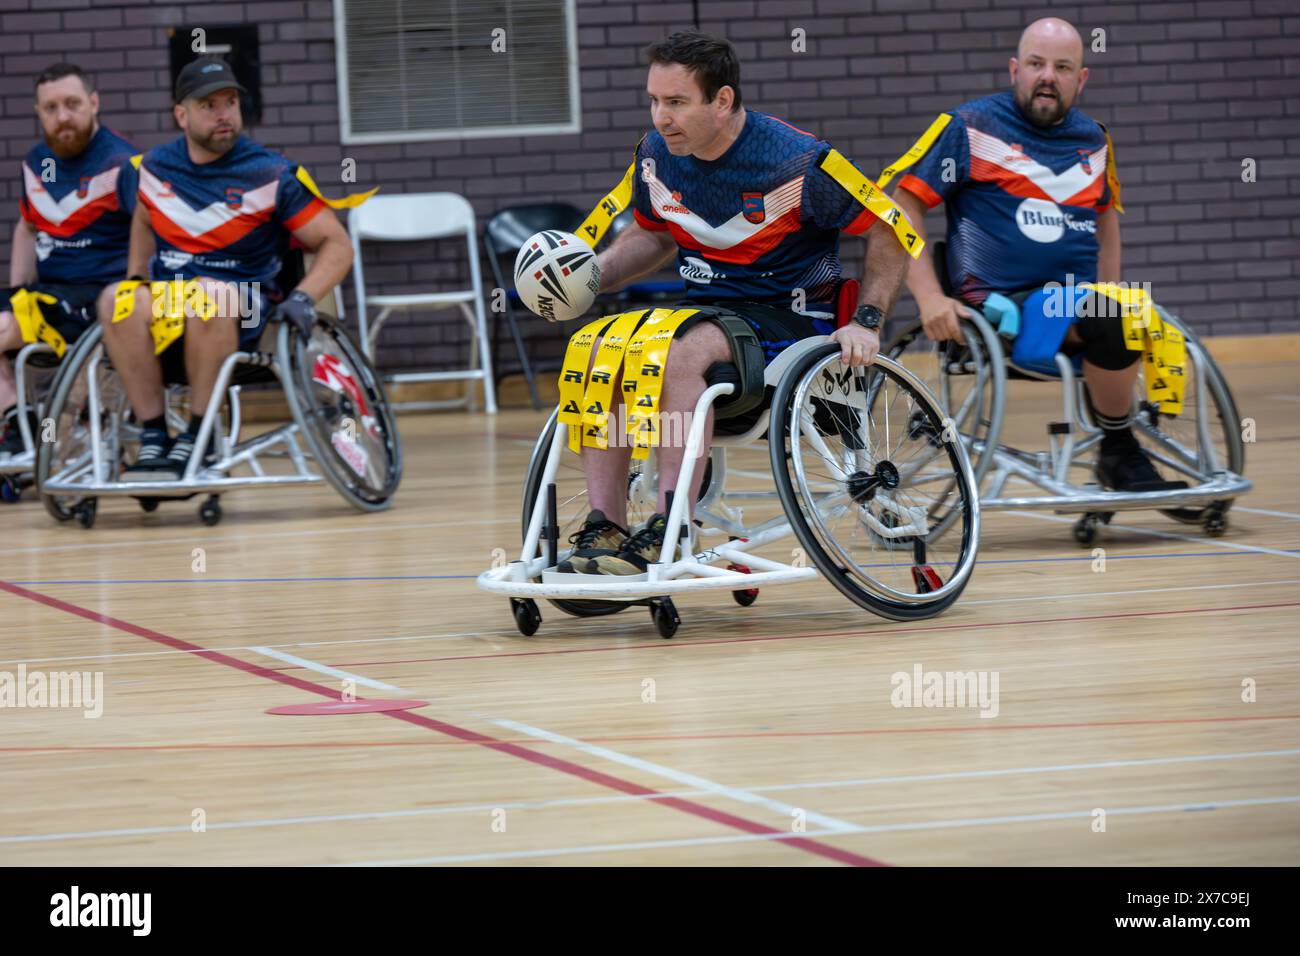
(337, 400)
(849, 454)
(1206, 433)
(969, 381)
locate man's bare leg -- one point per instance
(130, 346)
(688, 359)
(208, 343)
(11, 338)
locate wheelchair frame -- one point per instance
(1075, 435)
(18, 471)
(89, 475)
(680, 569)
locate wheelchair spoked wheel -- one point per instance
(849, 452)
(69, 409)
(1177, 439)
(572, 506)
(337, 400)
(967, 380)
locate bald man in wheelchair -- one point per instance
(742, 200)
(215, 214)
(1028, 184)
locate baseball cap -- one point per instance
(205, 75)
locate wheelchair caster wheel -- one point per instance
(209, 511)
(1085, 529)
(665, 616)
(148, 505)
(527, 618)
(746, 596)
(1216, 522)
(85, 512)
(926, 579)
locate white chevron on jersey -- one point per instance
(735, 230)
(56, 212)
(1059, 186)
(198, 222)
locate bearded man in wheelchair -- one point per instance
(1032, 197)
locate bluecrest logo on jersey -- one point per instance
(1044, 221)
(752, 204)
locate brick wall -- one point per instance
(1189, 90)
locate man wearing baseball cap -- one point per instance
(217, 208)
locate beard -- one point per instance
(73, 144)
(1043, 112)
(216, 141)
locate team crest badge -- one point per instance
(234, 197)
(1085, 160)
(83, 187)
(752, 206)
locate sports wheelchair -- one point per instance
(34, 367)
(864, 478)
(336, 402)
(1202, 444)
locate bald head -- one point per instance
(1047, 72)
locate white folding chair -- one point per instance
(417, 217)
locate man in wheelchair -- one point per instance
(213, 222)
(742, 201)
(1031, 197)
(71, 238)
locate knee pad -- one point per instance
(1101, 326)
(745, 370)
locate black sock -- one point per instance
(8, 413)
(195, 422)
(159, 423)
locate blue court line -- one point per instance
(470, 577)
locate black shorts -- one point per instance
(72, 314)
(777, 328)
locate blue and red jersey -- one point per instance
(757, 223)
(229, 219)
(1022, 200)
(80, 209)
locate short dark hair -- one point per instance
(712, 61)
(59, 70)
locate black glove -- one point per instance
(300, 310)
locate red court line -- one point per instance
(884, 630)
(523, 753)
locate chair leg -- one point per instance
(485, 363)
(529, 375)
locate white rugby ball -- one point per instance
(556, 275)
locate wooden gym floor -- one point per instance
(1147, 714)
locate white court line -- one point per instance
(602, 848)
(325, 669)
(1265, 511)
(881, 828)
(1287, 398)
(1255, 548)
(245, 537)
(510, 633)
(658, 770)
(639, 798)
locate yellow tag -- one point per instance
(600, 390)
(873, 197)
(1112, 175)
(347, 202)
(573, 377)
(1164, 352)
(643, 379)
(919, 149)
(124, 300)
(137, 159)
(31, 321)
(602, 217)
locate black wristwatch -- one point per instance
(869, 317)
